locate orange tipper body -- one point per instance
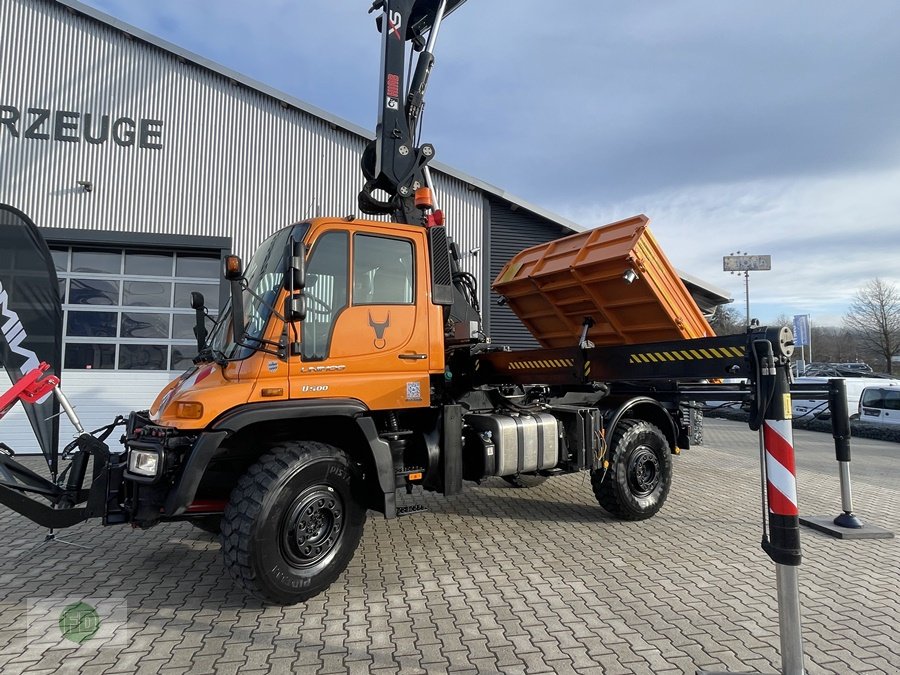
(378, 350)
(553, 286)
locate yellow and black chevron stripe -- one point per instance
(541, 364)
(687, 355)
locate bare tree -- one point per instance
(874, 315)
(834, 345)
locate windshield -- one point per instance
(264, 275)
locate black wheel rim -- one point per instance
(643, 471)
(313, 526)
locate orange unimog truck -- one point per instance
(350, 364)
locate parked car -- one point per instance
(880, 405)
(807, 409)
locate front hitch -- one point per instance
(18, 482)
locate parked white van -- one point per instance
(806, 409)
(880, 405)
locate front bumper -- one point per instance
(182, 461)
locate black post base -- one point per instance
(847, 519)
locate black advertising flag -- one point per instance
(30, 318)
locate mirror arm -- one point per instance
(237, 310)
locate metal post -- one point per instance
(783, 544)
(747, 293)
(787, 580)
(846, 525)
(781, 540)
(809, 324)
(840, 430)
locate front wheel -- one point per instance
(293, 522)
(637, 481)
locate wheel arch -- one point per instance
(649, 410)
(236, 436)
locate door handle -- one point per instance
(412, 357)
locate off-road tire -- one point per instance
(637, 482)
(211, 524)
(293, 522)
(522, 481)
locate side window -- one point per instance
(326, 293)
(873, 398)
(382, 270)
(892, 399)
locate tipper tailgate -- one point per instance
(553, 287)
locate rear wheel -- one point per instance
(293, 522)
(637, 481)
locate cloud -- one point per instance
(638, 97)
(827, 235)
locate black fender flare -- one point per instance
(229, 423)
(657, 415)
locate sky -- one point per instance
(764, 127)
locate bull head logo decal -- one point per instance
(379, 329)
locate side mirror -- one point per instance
(295, 279)
(295, 282)
(197, 300)
(295, 307)
(234, 273)
(199, 307)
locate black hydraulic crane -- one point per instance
(394, 162)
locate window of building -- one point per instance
(130, 309)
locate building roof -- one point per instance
(707, 296)
(293, 102)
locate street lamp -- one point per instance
(740, 261)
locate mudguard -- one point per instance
(182, 494)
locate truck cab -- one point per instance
(370, 331)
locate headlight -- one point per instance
(189, 410)
(143, 462)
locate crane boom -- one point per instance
(393, 162)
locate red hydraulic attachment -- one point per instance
(33, 386)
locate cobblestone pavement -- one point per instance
(497, 580)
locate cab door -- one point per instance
(366, 333)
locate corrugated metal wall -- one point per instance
(510, 232)
(233, 162)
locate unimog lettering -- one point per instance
(323, 369)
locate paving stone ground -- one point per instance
(496, 580)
